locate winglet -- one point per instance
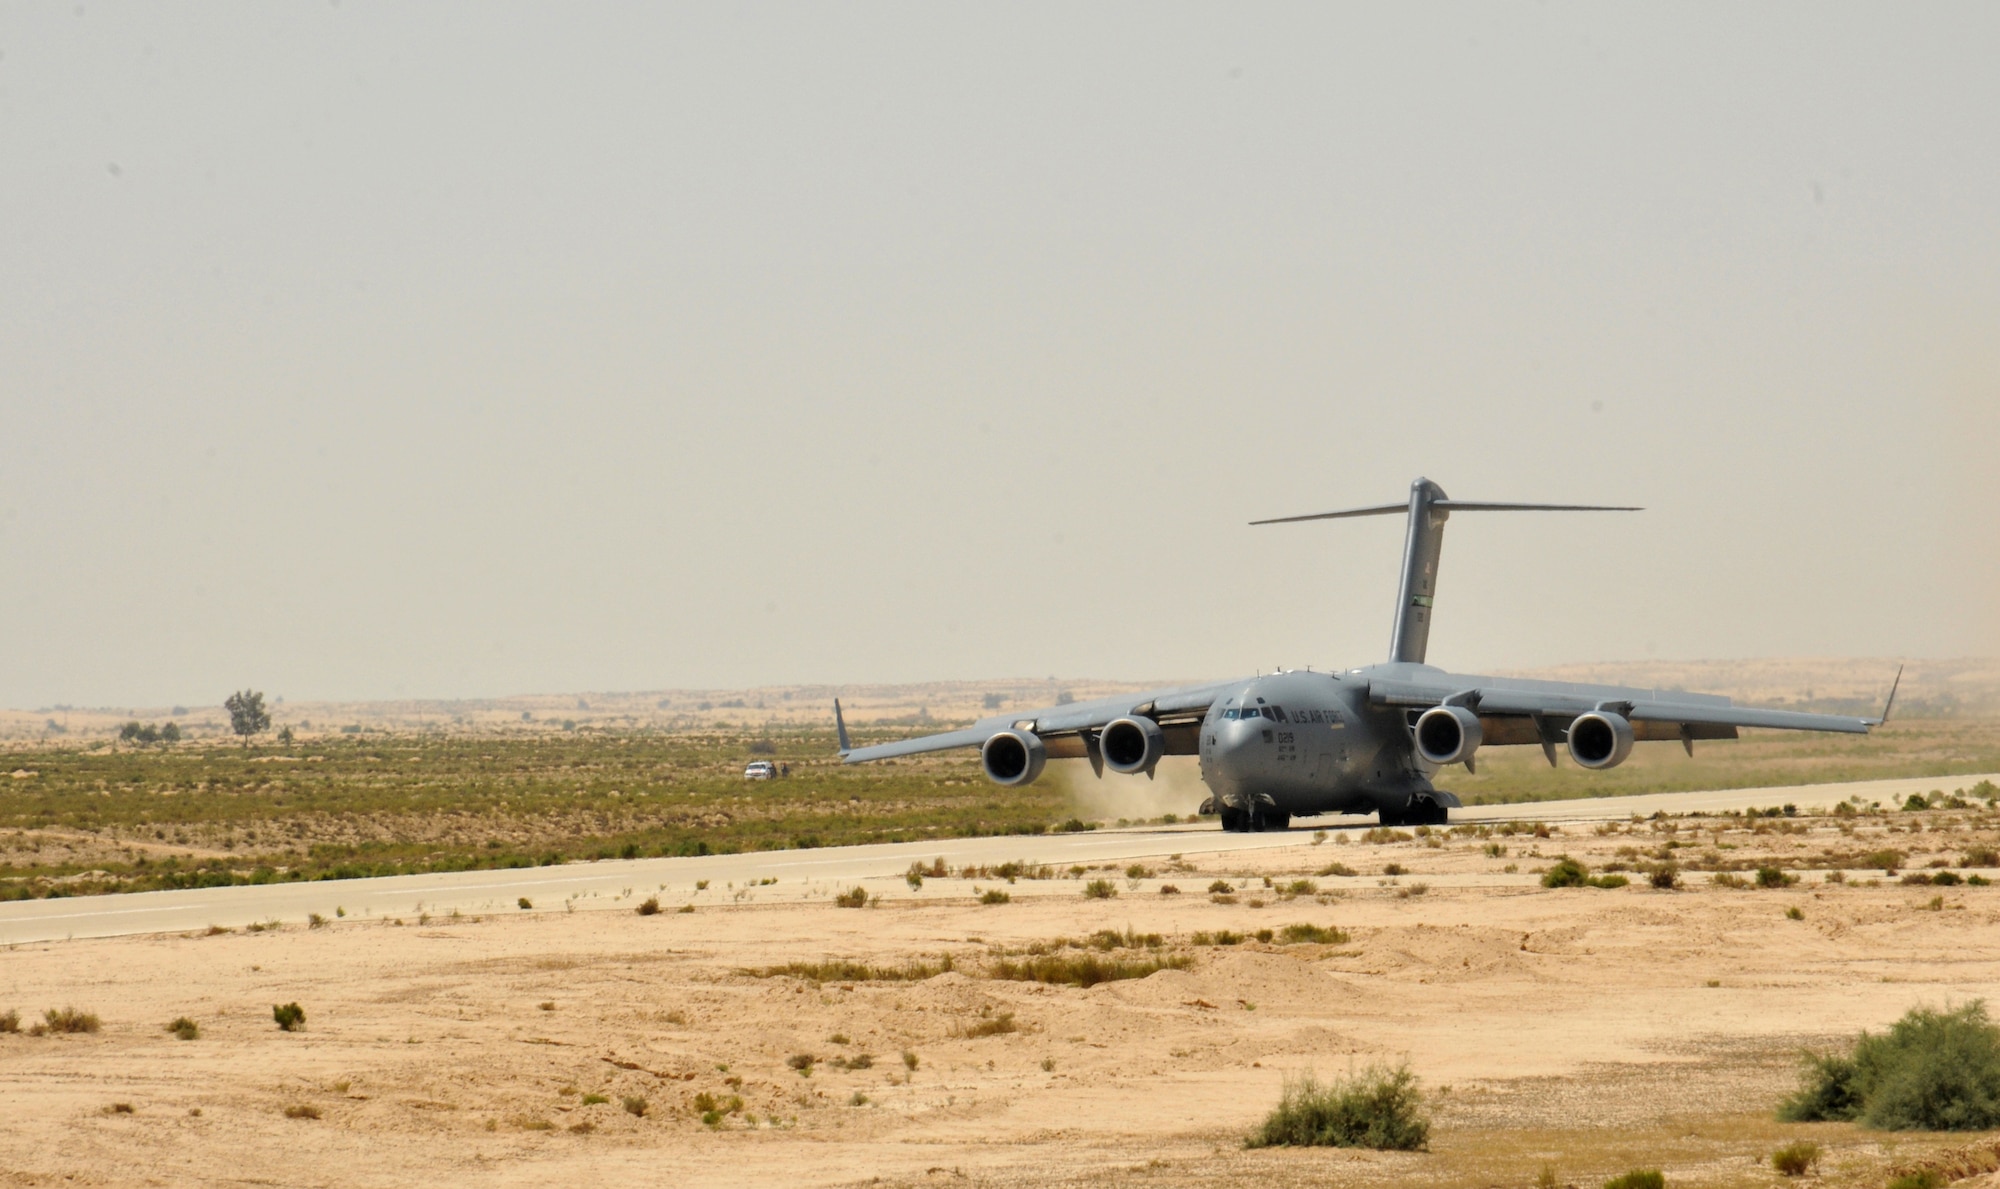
(1891, 703)
(840, 728)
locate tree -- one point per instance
(246, 713)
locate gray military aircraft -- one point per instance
(1366, 740)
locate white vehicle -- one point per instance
(760, 770)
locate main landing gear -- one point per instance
(1421, 811)
(1256, 819)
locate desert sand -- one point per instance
(1586, 1029)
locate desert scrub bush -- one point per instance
(1796, 1159)
(1931, 1071)
(290, 1017)
(634, 1104)
(525, 903)
(69, 1019)
(1383, 834)
(1083, 970)
(184, 1029)
(1334, 869)
(1099, 889)
(301, 1110)
(1167, 889)
(855, 897)
(1638, 1178)
(10, 1021)
(1221, 887)
(999, 1024)
(1726, 879)
(1566, 873)
(994, 896)
(910, 1060)
(843, 970)
(595, 1100)
(1665, 877)
(1321, 935)
(1379, 1107)
(1394, 869)
(1773, 877)
(648, 907)
(1923, 1178)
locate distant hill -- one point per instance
(1931, 688)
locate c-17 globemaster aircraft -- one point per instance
(1366, 740)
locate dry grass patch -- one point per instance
(1085, 969)
(846, 970)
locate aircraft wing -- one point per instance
(1520, 707)
(1063, 728)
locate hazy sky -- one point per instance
(369, 350)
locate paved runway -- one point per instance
(799, 873)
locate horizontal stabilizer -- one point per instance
(1451, 506)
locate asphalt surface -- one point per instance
(800, 874)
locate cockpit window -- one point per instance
(1229, 713)
(1277, 712)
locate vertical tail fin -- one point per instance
(840, 728)
(1428, 509)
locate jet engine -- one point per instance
(1448, 735)
(1600, 739)
(1132, 745)
(1013, 757)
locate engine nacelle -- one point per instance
(1600, 739)
(1448, 735)
(1013, 757)
(1132, 744)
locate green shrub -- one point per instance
(1221, 887)
(185, 1029)
(301, 1110)
(1796, 1159)
(1772, 877)
(1923, 1178)
(525, 903)
(648, 906)
(1665, 877)
(1099, 889)
(10, 1021)
(1638, 1178)
(1931, 1071)
(857, 897)
(290, 1016)
(1567, 873)
(994, 896)
(595, 1100)
(1379, 1107)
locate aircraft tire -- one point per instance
(1232, 821)
(1277, 821)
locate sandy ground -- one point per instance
(1590, 1030)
